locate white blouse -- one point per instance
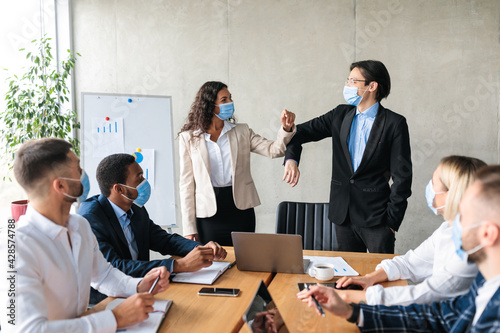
(433, 265)
(219, 154)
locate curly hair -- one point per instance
(202, 109)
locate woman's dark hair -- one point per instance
(202, 109)
(374, 70)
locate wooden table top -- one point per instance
(193, 313)
(297, 315)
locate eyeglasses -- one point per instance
(349, 81)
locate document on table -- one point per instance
(152, 324)
(342, 268)
(206, 275)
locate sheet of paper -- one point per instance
(107, 136)
(149, 325)
(146, 159)
(342, 268)
(206, 275)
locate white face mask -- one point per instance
(430, 195)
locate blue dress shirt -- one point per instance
(360, 132)
(124, 220)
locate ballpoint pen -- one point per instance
(231, 264)
(154, 284)
(316, 301)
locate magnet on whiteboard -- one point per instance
(107, 118)
(130, 100)
(138, 150)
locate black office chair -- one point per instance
(310, 220)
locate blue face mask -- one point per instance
(84, 180)
(143, 193)
(226, 111)
(351, 95)
(456, 235)
(430, 195)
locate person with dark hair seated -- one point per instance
(124, 230)
(57, 257)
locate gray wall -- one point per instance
(443, 57)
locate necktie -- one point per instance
(132, 245)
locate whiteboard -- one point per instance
(143, 122)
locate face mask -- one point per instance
(430, 195)
(84, 180)
(226, 111)
(143, 193)
(456, 235)
(351, 95)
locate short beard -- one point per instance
(477, 258)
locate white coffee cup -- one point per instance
(322, 272)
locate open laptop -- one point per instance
(261, 309)
(277, 253)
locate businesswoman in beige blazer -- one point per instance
(216, 188)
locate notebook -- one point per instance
(262, 307)
(152, 324)
(206, 275)
(277, 253)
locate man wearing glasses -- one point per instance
(370, 146)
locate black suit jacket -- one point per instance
(148, 236)
(366, 193)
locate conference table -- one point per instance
(193, 313)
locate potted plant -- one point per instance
(36, 102)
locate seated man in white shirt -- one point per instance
(58, 258)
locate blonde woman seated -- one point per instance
(434, 267)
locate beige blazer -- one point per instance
(196, 191)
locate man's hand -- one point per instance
(193, 237)
(199, 257)
(219, 252)
(149, 279)
(363, 281)
(329, 300)
(292, 173)
(287, 120)
(134, 309)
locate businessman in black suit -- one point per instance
(370, 145)
(125, 232)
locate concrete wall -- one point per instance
(443, 57)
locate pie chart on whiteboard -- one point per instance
(138, 157)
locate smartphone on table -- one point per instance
(219, 292)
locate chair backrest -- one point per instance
(310, 220)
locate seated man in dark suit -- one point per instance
(126, 233)
(476, 234)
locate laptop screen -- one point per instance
(262, 314)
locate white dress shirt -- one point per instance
(484, 295)
(219, 154)
(54, 278)
(434, 265)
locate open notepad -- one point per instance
(152, 324)
(206, 275)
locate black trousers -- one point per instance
(376, 239)
(228, 218)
